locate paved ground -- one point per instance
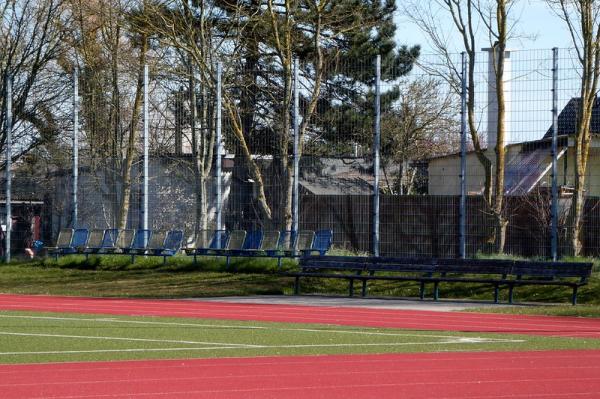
(377, 303)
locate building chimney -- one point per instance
(492, 104)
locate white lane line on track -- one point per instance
(113, 320)
(511, 325)
(316, 330)
(125, 339)
(237, 346)
(311, 330)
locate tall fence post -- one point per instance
(146, 143)
(462, 213)
(8, 132)
(554, 223)
(218, 149)
(376, 154)
(75, 145)
(295, 192)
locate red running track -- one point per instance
(541, 374)
(555, 374)
(367, 317)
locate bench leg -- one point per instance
(363, 292)
(574, 296)
(132, 258)
(351, 288)
(279, 263)
(496, 289)
(422, 290)
(164, 260)
(297, 286)
(195, 260)
(510, 294)
(436, 291)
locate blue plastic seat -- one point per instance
(66, 245)
(219, 240)
(171, 245)
(140, 242)
(106, 243)
(251, 243)
(321, 243)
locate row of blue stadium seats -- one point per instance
(204, 242)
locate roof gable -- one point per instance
(567, 119)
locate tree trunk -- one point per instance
(499, 56)
(130, 150)
(285, 168)
(582, 142)
(197, 160)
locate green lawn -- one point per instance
(114, 276)
(31, 337)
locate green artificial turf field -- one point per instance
(29, 337)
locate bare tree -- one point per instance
(31, 40)
(423, 125)
(582, 18)
(467, 16)
(111, 44)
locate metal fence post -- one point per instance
(554, 225)
(295, 192)
(462, 213)
(75, 144)
(218, 149)
(146, 142)
(376, 154)
(8, 132)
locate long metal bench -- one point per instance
(496, 272)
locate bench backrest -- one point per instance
(173, 240)
(80, 238)
(253, 240)
(219, 240)
(64, 238)
(322, 241)
(236, 239)
(552, 269)
(335, 262)
(417, 265)
(463, 266)
(475, 266)
(303, 240)
(141, 239)
(125, 238)
(368, 264)
(157, 239)
(270, 241)
(109, 239)
(96, 238)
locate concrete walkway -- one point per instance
(377, 303)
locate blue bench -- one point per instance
(100, 241)
(207, 242)
(68, 244)
(139, 244)
(259, 243)
(170, 245)
(321, 243)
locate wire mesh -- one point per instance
(420, 131)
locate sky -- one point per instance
(538, 28)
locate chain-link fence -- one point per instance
(238, 144)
